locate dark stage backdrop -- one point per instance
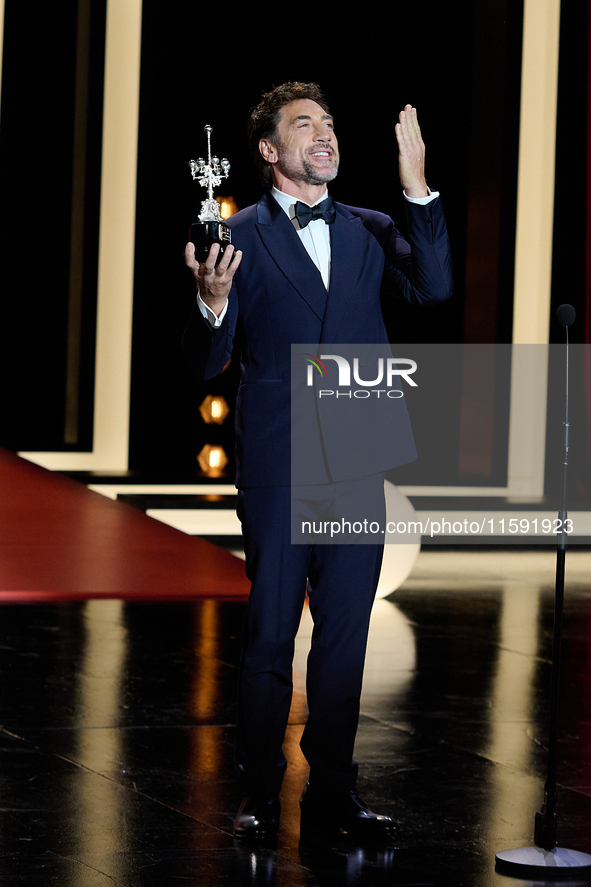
(459, 64)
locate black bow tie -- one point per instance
(324, 210)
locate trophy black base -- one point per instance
(204, 234)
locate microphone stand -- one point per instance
(545, 856)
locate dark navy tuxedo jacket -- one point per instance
(278, 298)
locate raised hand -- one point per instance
(411, 154)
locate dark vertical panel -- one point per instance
(493, 140)
(35, 170)
(41, 150)
(74, 343)
(571, 246)
(588, 187)
(570, 234)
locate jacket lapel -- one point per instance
(349, 242)
(289, 254)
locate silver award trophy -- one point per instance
(210, 228)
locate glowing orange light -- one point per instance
(228, 206)
(212, 460)
(214, 409)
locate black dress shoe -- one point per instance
(258, 817)
(342, 812)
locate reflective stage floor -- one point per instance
(117, 731)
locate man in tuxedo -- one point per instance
(303, 269)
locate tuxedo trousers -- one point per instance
(341, 580)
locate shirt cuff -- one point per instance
(422, 200)
(211, 317)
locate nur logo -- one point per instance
(314, 362)
(390, 371)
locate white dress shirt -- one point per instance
(315, 236)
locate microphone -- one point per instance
(565, 315)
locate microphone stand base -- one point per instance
(555, 864)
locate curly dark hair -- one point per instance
(264, 117)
